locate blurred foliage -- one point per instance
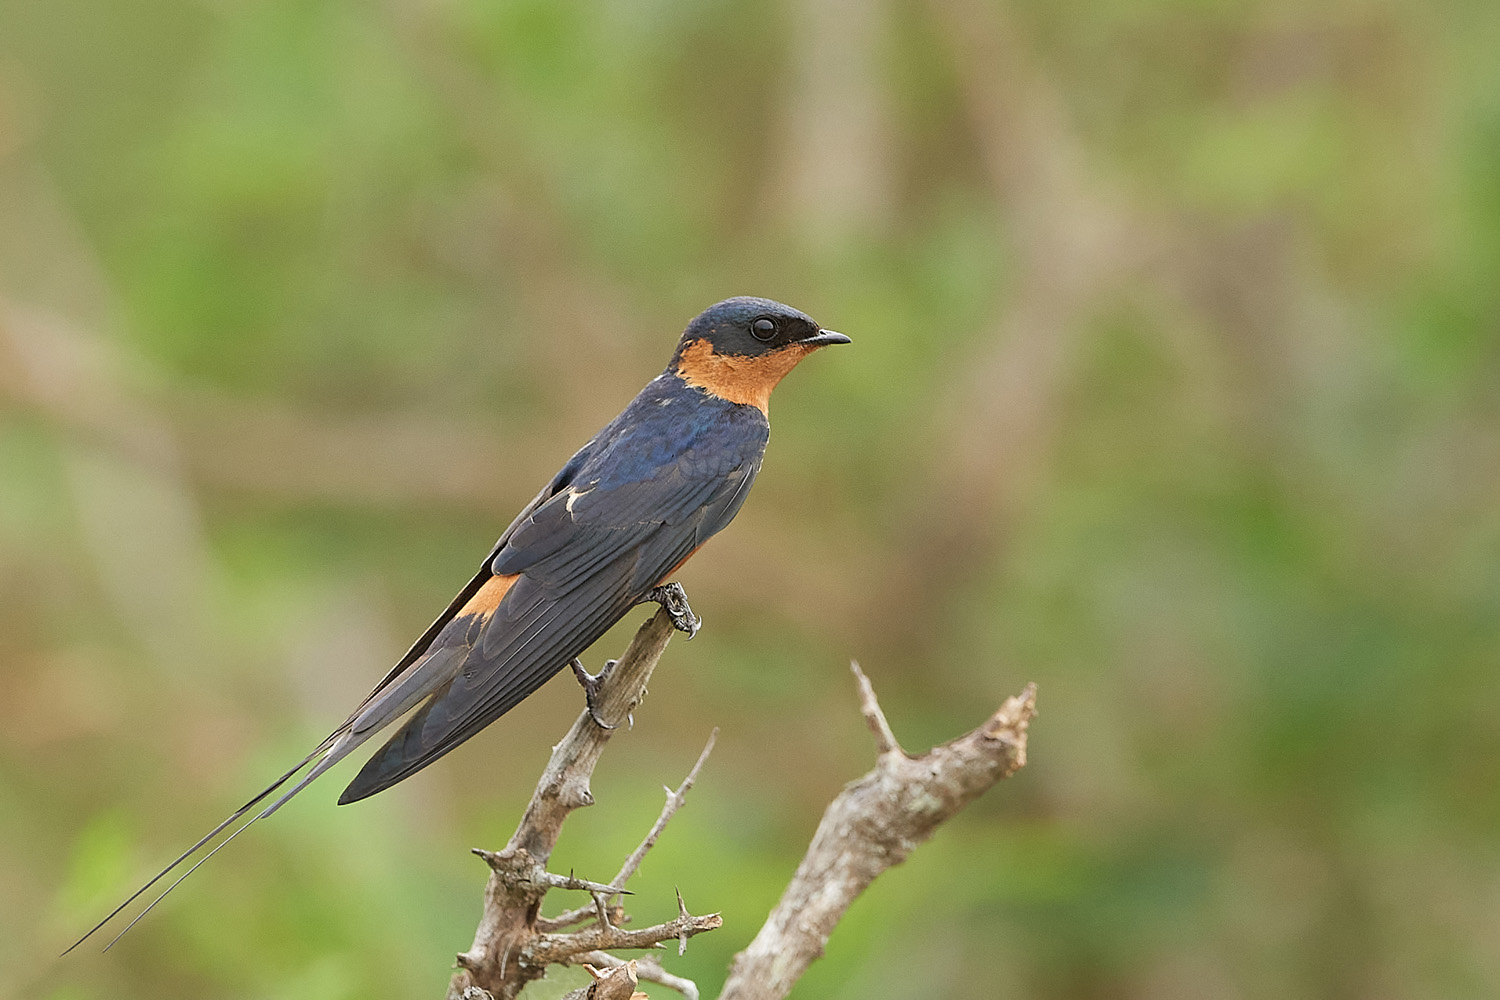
(1173, 389)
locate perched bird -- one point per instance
(605, 534)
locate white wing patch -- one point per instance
(573, 496)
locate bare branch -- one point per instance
(632, 863)
(682, 913)
(549, 949)
(674, 802)
(537, 877)
(874, 824)
(564, 785)
(885, 739)
(501, 960)
(647, 968)
(577, 915)
(617, 982)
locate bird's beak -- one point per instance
(824, 338)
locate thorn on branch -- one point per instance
(553, 948)
(675, 801)
(518, 871)
(682, 914)
(568, 881)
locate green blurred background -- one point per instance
(1174, 389)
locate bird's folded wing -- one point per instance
(579, 562)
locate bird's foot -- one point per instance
(674, 602)
(591, 684)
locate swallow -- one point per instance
(607, 533)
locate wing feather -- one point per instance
(578, 576)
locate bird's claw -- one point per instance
(673, 600)
(591, 684)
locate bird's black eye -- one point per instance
(763, 328)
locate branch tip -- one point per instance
(885, 739)
(614, 982)
(1013, 717)
(647, 968)
(874, 823)
(682, 913)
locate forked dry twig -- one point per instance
(873, 824)
(513, 945)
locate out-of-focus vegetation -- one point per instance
(1174, 389)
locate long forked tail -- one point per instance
(331, 748)
(393, 697)
(420, 673)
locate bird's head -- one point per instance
(740, 348)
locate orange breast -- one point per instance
(735, 378)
